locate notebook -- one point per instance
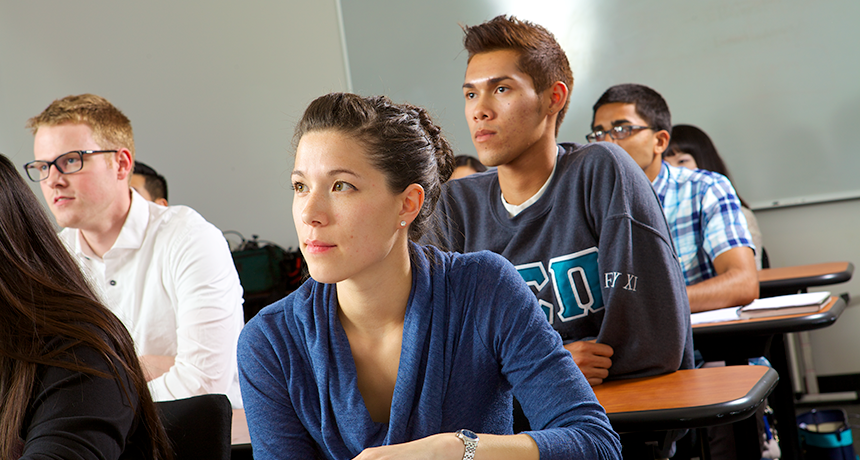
(792, 304)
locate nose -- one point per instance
(482, 109)
(314, 210)
(55, 178)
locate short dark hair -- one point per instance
(154, 183)
(541, 57)
(401, 140)
(650, 105)
(470, 161)
(692, 140)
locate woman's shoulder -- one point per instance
(477, 263)
(481, 275)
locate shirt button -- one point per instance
(112, 282)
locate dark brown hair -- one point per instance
(470, 161)
(401, 140)
(541, 57)
(153, 182)
(650, 105)
(44, 297)
(692, 140)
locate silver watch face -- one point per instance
(468, 434)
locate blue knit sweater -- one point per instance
(473, 337)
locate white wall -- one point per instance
(213, 90)
(814, 234)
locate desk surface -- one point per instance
(684, 399)
(800, 277)
(690, 398)
(775, 324)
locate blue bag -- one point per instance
(825, 434)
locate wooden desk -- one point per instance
(824, 317)
(737, 341)
(791, 280)
(692, 398)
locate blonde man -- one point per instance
(164, 271)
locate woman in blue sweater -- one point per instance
(394, 350)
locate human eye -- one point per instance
(469, 94)
(341, 186)
(299, 187)
(502, 89)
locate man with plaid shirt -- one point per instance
(701, 207)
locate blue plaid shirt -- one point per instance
(704, 216)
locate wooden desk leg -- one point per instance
(782, 401)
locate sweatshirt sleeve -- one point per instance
(647, 314)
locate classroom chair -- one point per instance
(198, 427)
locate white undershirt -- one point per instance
(514, 209)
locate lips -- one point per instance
(317, 247)
(59, 200)
(483, 135)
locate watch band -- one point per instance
(470, 442)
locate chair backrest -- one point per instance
(198, 427)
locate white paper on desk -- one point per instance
(715, 316)
(788, 301)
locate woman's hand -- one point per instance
(443, 446)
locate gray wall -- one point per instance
(775, 84)
(213, 90)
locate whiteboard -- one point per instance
(776, 84)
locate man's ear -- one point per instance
(413, 200)
(558, 94)
(662, 143)
(160, 201)
(125, 164)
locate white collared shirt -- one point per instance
(170, 279)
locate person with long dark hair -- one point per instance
(393, 349)
(692, 148)
(70, 382)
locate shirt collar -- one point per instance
(132, 233)
(514, 209)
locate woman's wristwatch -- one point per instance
(470, 441)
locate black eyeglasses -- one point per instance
(67, 163)
(617, 133)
